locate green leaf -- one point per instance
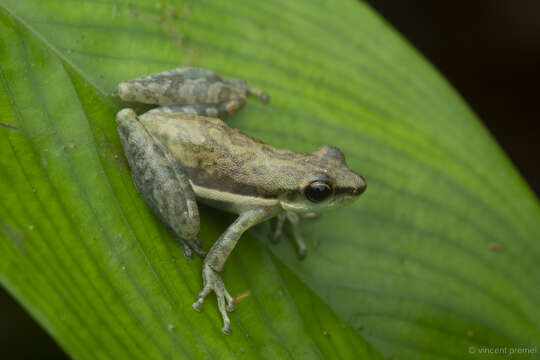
(437, 260)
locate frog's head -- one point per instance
(329, 183)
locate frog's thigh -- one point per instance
(180, 74)
(220, 110)
(183, 72)
(160, 180)
(177, 86)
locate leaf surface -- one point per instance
(438, 256)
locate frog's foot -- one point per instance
(188, 252)
(243, 86)
(190, 247)
(258, 93)
(294, 219)
(196, 247)
(212, 282)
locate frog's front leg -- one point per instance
(218, 254)
(294, 219)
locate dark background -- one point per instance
(488, 49)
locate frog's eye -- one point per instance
(318, 191)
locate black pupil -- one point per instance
(318, 191)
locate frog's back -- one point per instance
(216, 156)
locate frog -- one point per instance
(182, 153)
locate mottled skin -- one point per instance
(190, 90)
(178, 156)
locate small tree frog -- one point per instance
(182, 152)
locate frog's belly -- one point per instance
(230, 202)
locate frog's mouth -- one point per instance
(304, 206)
(345, 200)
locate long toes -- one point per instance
(226, 322)
(230, 300)
(188, 253)
(204, 292)
(221, 306)
(202, 253)
(196, 246)
(197, 305)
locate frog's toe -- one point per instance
(188, 252)
(191, 247)
(300, 245)
(196, 246)
(294, 219)
(302, 252)
(264, 97)
(230, 300)
(223, 311)
(278, 231)
(227, 328)
(276, 236)
(225, 300)
(197, 305)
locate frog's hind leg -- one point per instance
(160, 180)
(243, 86)
(183, 72)
(185, 85)
(220, 110)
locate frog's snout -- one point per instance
(360, 187)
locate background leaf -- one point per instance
(440, 254)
